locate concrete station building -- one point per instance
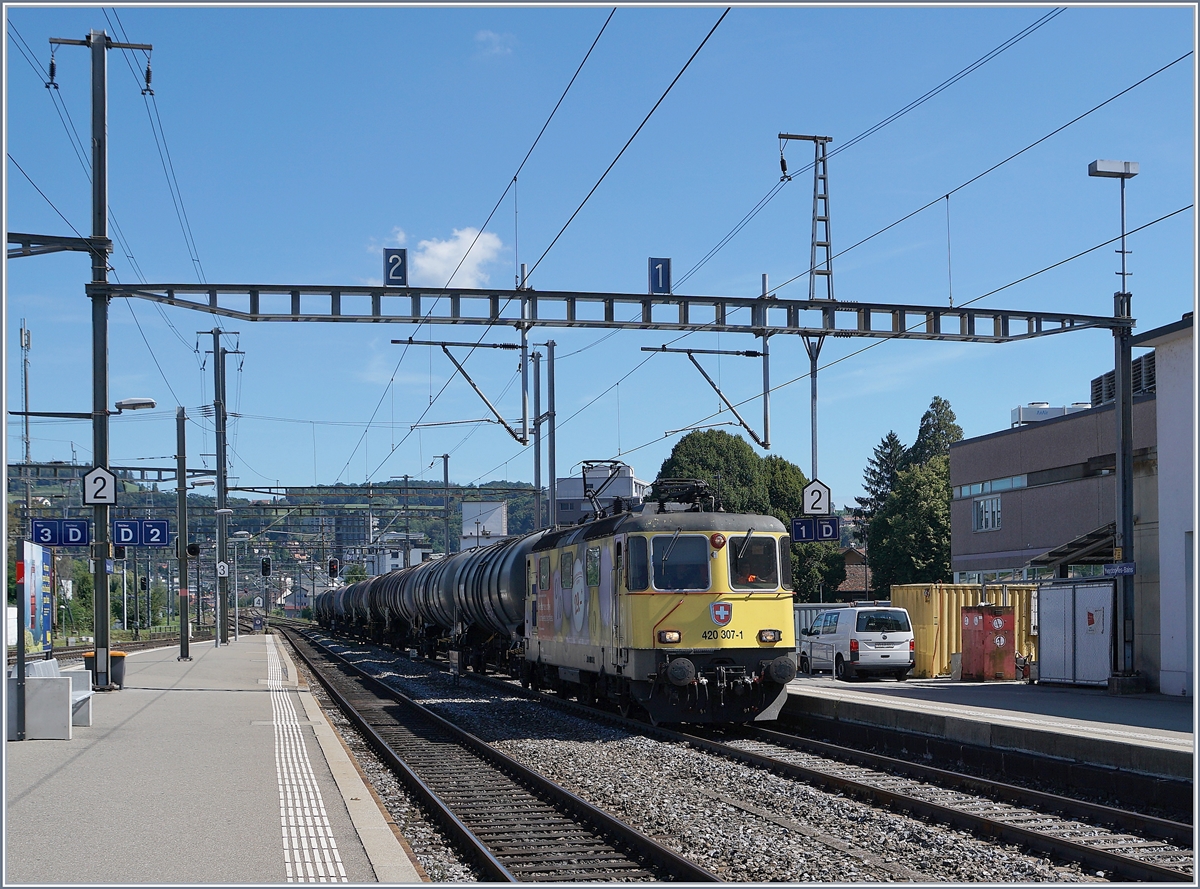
(1038, 501)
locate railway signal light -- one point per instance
(118, 552)
(142, 583)
(333, 567)
(266, 567)
(193, 549)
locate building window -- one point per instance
(986, 514)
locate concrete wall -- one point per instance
(1176, 424)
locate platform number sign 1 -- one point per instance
(817, 500)
(395, 267)
(660, 276)
(99, 487)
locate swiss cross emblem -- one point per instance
(721, 613)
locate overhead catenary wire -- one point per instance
(433, 398)
(886, 338)
(871, 130)
(164, 152)
(994, 166)
(77, 146)
(603, 175)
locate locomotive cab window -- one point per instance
(785, 559)
(753, 563)
(680, 562)
(544, 573)
(639, 567)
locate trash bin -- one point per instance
(116, 667)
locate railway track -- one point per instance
(76, 652)
(1128, 845)
(1123, 845)
(516, 825)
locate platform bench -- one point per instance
(54, 701)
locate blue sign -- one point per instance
(127, 532)
(804, 530)
(61, 532)
(829, 529)
(75, 532)
(156, 532)
(660, 276)
(395, 267)
(47, 532)
(1119, 569)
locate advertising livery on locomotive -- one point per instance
(683, 613)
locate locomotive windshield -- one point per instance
(753, 563)
(680, 562)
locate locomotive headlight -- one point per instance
(770, 635)
(717, 540)
(668, 637)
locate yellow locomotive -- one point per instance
(686, 614)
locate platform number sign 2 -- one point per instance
(395, 267)
(99, 487)
(817, 500)
(660, 276)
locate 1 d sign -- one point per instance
(817, 499)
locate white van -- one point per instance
(859, 640)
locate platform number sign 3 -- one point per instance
(395, 267)
(99, 487)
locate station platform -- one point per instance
(1149, 734)
(221, 769)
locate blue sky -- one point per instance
(305, 140)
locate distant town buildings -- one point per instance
(484, 522)
(607, 482)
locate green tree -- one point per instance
(726, 462)
(785, 483)
(879, 477)
(938, 430)
(818, 570)
(355, 573)
(910, 536)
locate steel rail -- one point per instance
(1101, 859)
(669, 862)
(1162, 828)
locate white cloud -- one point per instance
(492, 44)
(396, 239)
(435, 261)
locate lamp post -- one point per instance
(1122, 353)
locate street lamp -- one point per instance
(1122, 353)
